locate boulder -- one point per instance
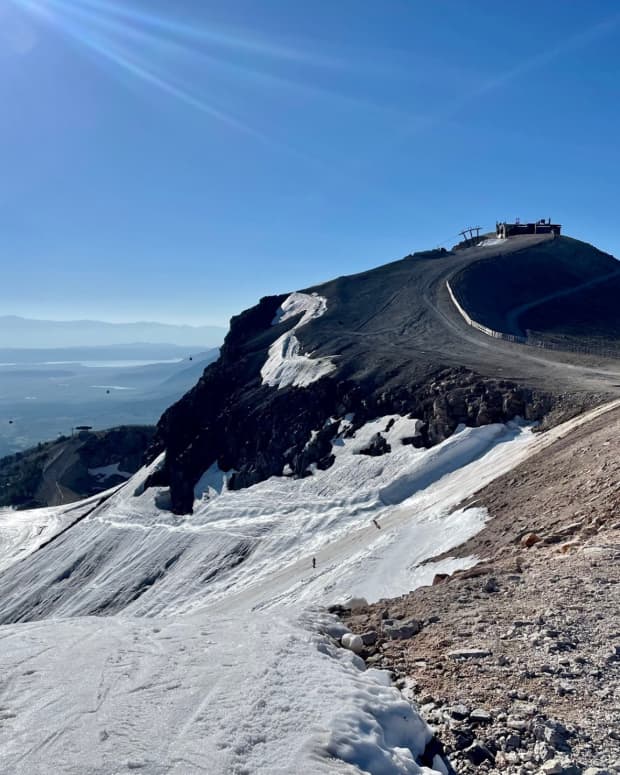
(480, 716)
(356, 603)
(530, 539)
(377, 446)
(459, 712)
(490, 585)
(402, 630)
(512, 742)
(552, 767)
(478, 753)
(352, 642)
(468, 654)
(369, 638)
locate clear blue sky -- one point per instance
(177, 159)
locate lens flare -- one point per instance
(242, 41)
(104, 36)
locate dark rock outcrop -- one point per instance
(377, 446)
(66, 469)
(232, 419)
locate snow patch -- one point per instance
(187, 695)
(308, 305)
(377, 730)
(395, 429)
(103, 472)
(285, 364)
(213, 482)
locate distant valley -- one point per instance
(45, 393)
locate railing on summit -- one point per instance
(533, 338)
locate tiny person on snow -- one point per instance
(376, 524)
(314, 562)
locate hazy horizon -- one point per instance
(20, 332)
(121, 321)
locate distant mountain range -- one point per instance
(17, 331)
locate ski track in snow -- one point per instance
(285, 364)
(209, 653)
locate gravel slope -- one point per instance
(537, 622)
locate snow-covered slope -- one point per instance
(23, 532)
(183, 645)
(134, 556)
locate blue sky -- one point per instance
(177, 160)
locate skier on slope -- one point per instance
(376, 524)
(314, 562)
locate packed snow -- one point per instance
(487, 243)
(285, 364)
(23, 532)
(181, 645)
(104, 472)
(211, 483)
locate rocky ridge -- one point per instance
(395, 344)
(295, 428)
(72, 467)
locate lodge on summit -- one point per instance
(516, 229)
(504, 230)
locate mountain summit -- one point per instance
(397, 339)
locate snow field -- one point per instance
(208, 653)
(263, 694)
(23, 532)
(256, 545)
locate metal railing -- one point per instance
(534, 338)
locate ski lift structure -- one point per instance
(469, 238)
